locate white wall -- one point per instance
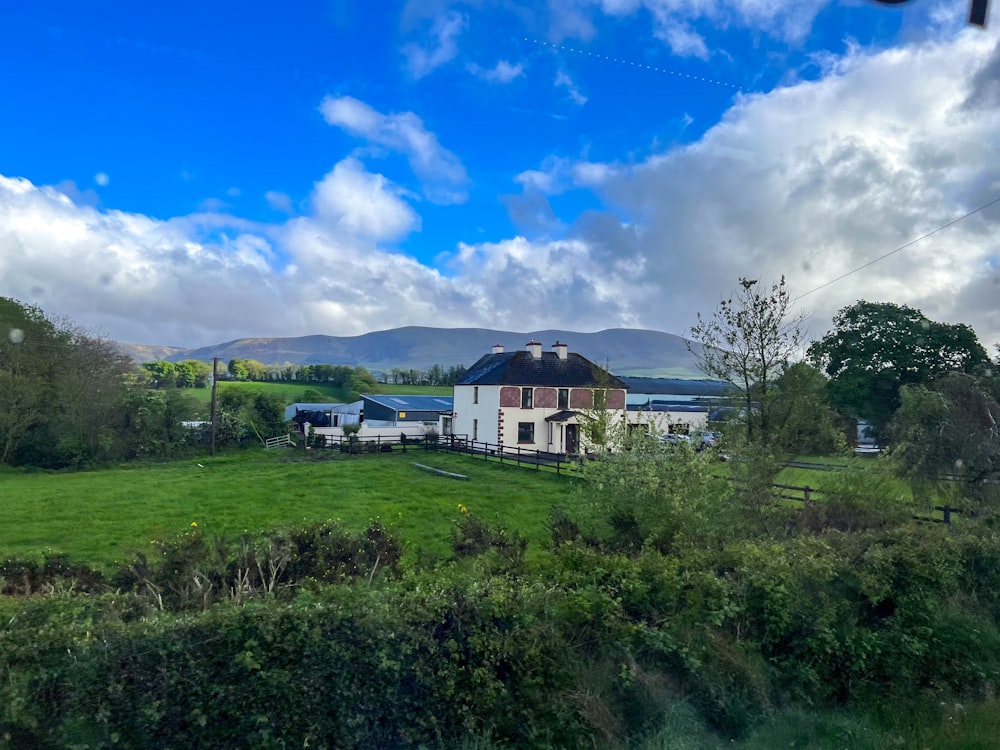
(466, 410)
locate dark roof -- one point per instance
(561, 416)
(690, 407)
(678, 386)
(520, 368)
(412, 403)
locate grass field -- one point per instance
(104, 516)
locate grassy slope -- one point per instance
(104, 516)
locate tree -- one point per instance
(201, 371)
(947, 439)
(237, 369)
(91, 387)
(747, 342)
(162, 374)
(801, 415)
(875, 348)
(61, 390)
(31, 346)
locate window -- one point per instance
(563, 398)
(525, 432)
(475, 394)
(475, 429)
(527, 396)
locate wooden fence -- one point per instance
(531, 459)
(504, 454)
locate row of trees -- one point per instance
(434, 375)
(192, 373)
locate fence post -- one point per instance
(947, 514)
(806, 495)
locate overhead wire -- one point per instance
(922, 237)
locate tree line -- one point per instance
(192, 373)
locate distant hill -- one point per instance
(626, 351)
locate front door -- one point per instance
(571, 440)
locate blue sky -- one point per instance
(193, 173)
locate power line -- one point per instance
(633, 63)
(901, 247)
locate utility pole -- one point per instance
(215, 385)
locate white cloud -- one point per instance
(564, 81)
(102, 179)
(810, 181)
(789, 20)
(816, 179)
(279, 201)
(362, 204)
(440, 171)
(502, 72)
(439, 49)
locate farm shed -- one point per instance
(380, 410)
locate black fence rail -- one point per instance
(505, 454)
(510, 454)
(530, 458)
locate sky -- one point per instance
(186, 174)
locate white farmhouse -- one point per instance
(532, 399)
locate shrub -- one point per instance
(471, 536)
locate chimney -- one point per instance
(561, 350)
(535, 347)
(497, 349)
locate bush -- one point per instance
(471, 536)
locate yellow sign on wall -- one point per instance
(402, 415)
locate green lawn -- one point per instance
(289, 391)
(415, 390)
(103, 516)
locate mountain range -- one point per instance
(625, 351)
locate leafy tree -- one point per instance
(256, 371)
(801, 414)
(185, 375)
(91, 386)
(947, 439)
(875, 348)
(201, 372)
(162, 374)
(747, 342)
(362, 381)
(60, 390)
(30, 349)
(238, 370)
(150, 423)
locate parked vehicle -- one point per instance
(675, 438)
(707, 440)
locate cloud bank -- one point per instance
(811, 181)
